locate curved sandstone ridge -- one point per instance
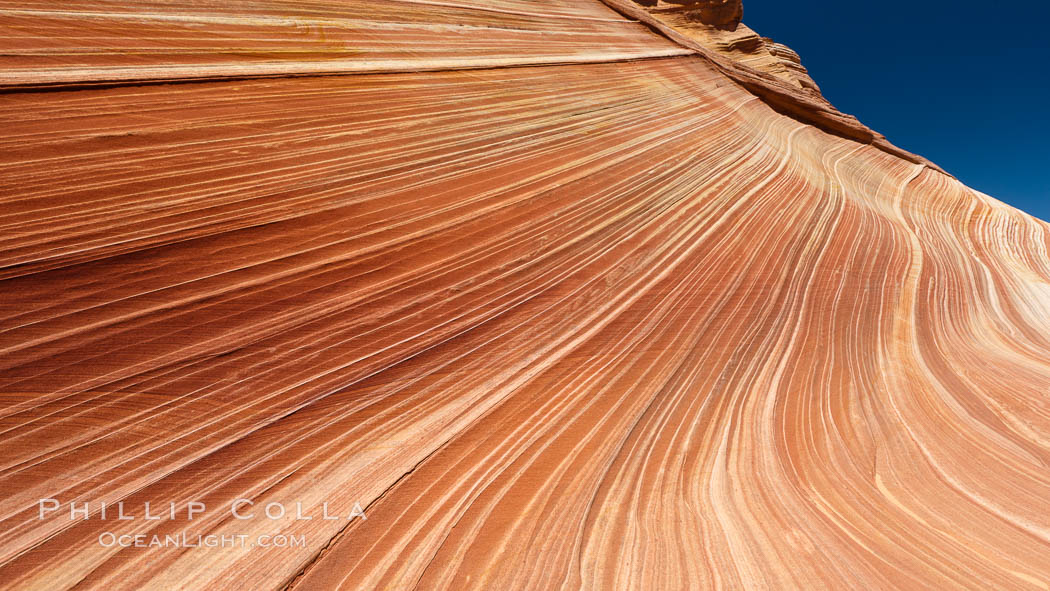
(716, 25)
(627, 315)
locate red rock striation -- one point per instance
(716, 25)
(720, 14)
(560, 296)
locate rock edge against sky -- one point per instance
(495, 294)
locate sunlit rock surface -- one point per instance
(716, 25)
(562, 297)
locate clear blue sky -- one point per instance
(963, 83)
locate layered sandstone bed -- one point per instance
(716, 24)
(561, 296)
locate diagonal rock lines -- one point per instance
(589, 322)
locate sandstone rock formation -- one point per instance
(716, 25)
(561, 296)
(721, 14)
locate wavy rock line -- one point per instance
(585, 326)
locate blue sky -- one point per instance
(964, 83)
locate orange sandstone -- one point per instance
(559, 295)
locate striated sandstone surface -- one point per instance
(562, 297)
(716, 25)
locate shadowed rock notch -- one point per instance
(572, 294)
